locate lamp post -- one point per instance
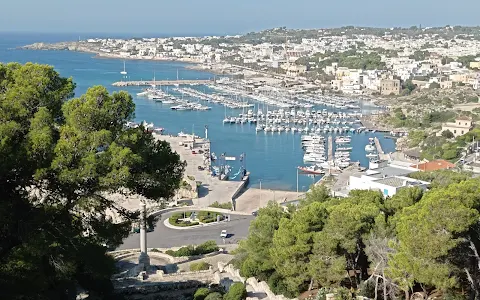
(260, 181)
(297, 179)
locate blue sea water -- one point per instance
(271, 158)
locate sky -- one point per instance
(197, 17)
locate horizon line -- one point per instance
(197, 34)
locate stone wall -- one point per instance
(258, 287)
(153, 288)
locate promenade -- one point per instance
(162, 82)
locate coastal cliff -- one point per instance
(70, 46)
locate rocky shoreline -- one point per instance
(88, 48)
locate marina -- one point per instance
(326, 128)
(160, 82)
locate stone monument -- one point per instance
(143, 260)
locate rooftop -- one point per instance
(463, 118)
(388, 171)
(439, 164)
(392, 181)
(399, 181)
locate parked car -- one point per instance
(255, 213)
(224, 234)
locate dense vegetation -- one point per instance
(237, 291)
(381, 248)
(444, 146)
(350, 59)
(59, 160)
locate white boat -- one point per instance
(124, 72)
(369, 148)
(315, 170)
(342, 140)
(371, 155)
(144, 93)
(343, 164)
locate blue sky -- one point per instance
(226, 17)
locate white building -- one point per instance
(386, 178)
(389, 186)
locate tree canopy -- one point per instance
(59, 160)
(414, 241)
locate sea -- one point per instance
(272, 159)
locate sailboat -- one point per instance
(176, 84)
(124, 72)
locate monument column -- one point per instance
(143, 259)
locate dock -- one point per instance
(330, 149)
(162, 82)
(380, 152)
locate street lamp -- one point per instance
(260, 181)
(297, 179)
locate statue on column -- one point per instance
(143, 260)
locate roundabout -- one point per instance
(165, 237)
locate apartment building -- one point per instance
(461, 126)
(390, 86)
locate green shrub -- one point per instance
(207, 247)
(174, 220)
(201, 293)
(185, 251)
(236, 292)
(214, 296)
(204, 216)
(200, 266)
(222, 205)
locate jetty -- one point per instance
(163, 82)
(380, 152)
(330, 149)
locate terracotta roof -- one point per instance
(463, 118)
(439, 164)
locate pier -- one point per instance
(211, 189)
(380, 152)
(163, 82)
(330, 149)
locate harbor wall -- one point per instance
(243, 185)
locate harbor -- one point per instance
(326, 136)
(161, 82)
(271, 157)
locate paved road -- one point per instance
(163, 237)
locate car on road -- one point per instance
(255, 213)
(224, 234)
